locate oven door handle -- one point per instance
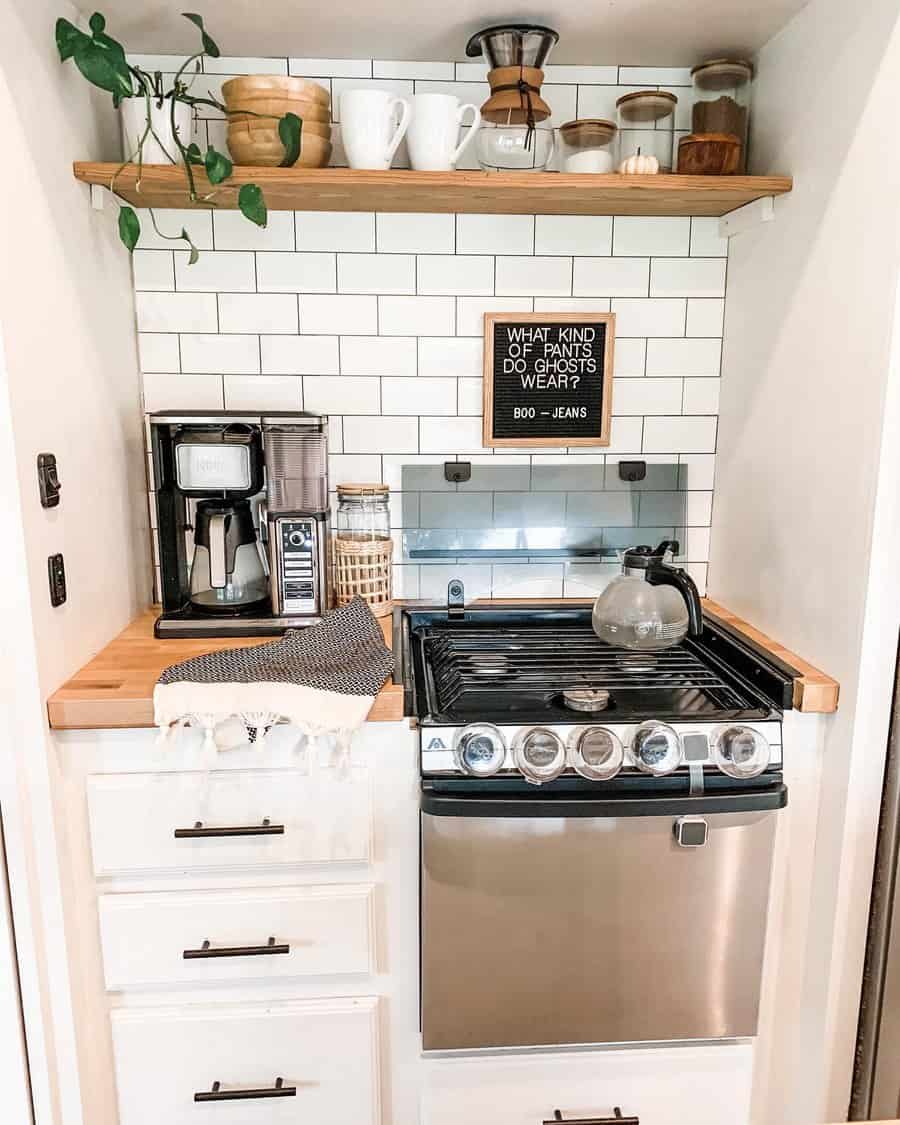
(748, 801)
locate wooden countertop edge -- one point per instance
(114, 690)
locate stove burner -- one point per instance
(638, 663)
(489, 665)
(586, 699)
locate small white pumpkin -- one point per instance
(639, 165)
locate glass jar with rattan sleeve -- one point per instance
(363, 548)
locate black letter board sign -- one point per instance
(548, 378)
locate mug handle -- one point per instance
(402, 126)
(470, 136)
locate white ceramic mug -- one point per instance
(369, 127)
(434, 144)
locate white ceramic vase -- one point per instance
(133, 112)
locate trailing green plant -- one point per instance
(101, 59)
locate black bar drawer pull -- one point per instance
(616, 1119)
(201, 831)
(217, 1094)
(236, 950)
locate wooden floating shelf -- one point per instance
(504, 193)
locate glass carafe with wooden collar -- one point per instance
(650, 605)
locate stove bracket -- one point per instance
(456, 598)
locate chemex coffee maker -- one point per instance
(242, 513)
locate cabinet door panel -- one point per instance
(233, 818)
(324, 1052)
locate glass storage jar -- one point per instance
(721, 105)
(646, 120)
(363, 548)
(587, 145)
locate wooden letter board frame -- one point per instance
(605, 379)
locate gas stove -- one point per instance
(508, 698)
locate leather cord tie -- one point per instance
(525, 91)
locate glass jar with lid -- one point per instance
(363, 548)
(721, 105)
(646, 120)
(587, 145)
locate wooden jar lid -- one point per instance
(504, 106)
(363, 489)
(586, 132)
(643, 106)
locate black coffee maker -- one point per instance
(242, 507)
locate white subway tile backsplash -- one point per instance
(588, 75)
(528, 509)
(342, 394)
(647, 396)
(706, 242)
(638, 235)
(335, 231)
(649, 317)
(698, 509)
(701, 396)
(153, 270)
(600, 101)
(472, 71)
(198, 224)
(587, 580)
(697, 357)
(571, 304)
(424, 316)
(182, 392)
(563, 102)
(434, 70)
(401, 233)
(450, 435)
(680, 435)
(705, 316)
(572, 234)
(330, 68)
(452, 510)
(434, 579)
(687, 277)
(452, 355)
(299, 355)
(301, 272)
(400, 89)
(495, 234)
(263, 392)
(383, 434)
(227, 355)
(225, 271)
(528, 580)
(611, 277)
(625, 435)
(452, 274)
(233, 232)
(230, 65)
(470, 311)
(385, 355)
(176, 312)
(629, 357)
(696, 470)
(546, 277)
(258, 312)
(158, 351)
(470, 396)
(664, 76)
(324, 314)
(376, 273)
(344, 468)
(418, 396)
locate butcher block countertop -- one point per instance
(115, 689)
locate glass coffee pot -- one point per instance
(228, 575)
(650, 605)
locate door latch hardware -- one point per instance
(616, 1119)
(48, 480)
(56, 576)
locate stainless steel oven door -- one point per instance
(563, 922)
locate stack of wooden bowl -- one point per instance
(257, 102)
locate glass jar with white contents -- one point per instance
(587, 145)
(646, 121)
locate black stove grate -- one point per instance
(486, 670)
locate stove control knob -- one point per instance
(596, 752)
(539, 753)
(480, 750)
(656, 748)
(740, 751)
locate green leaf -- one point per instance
(195, 253)
(102, 61)
(289, 129)
(218, 167)
(252, 204)
(97, 23)
(209, 44)
(67, 39)
(129, 227)
(193, 153)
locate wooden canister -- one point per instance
(709, 154)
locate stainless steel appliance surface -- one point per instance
(597, 828)
(235, 492)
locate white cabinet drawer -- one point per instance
(266, 934)
(707, 1085)
(325, 1053)
(228, 818)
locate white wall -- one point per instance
(809, 318)
(68, 384)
